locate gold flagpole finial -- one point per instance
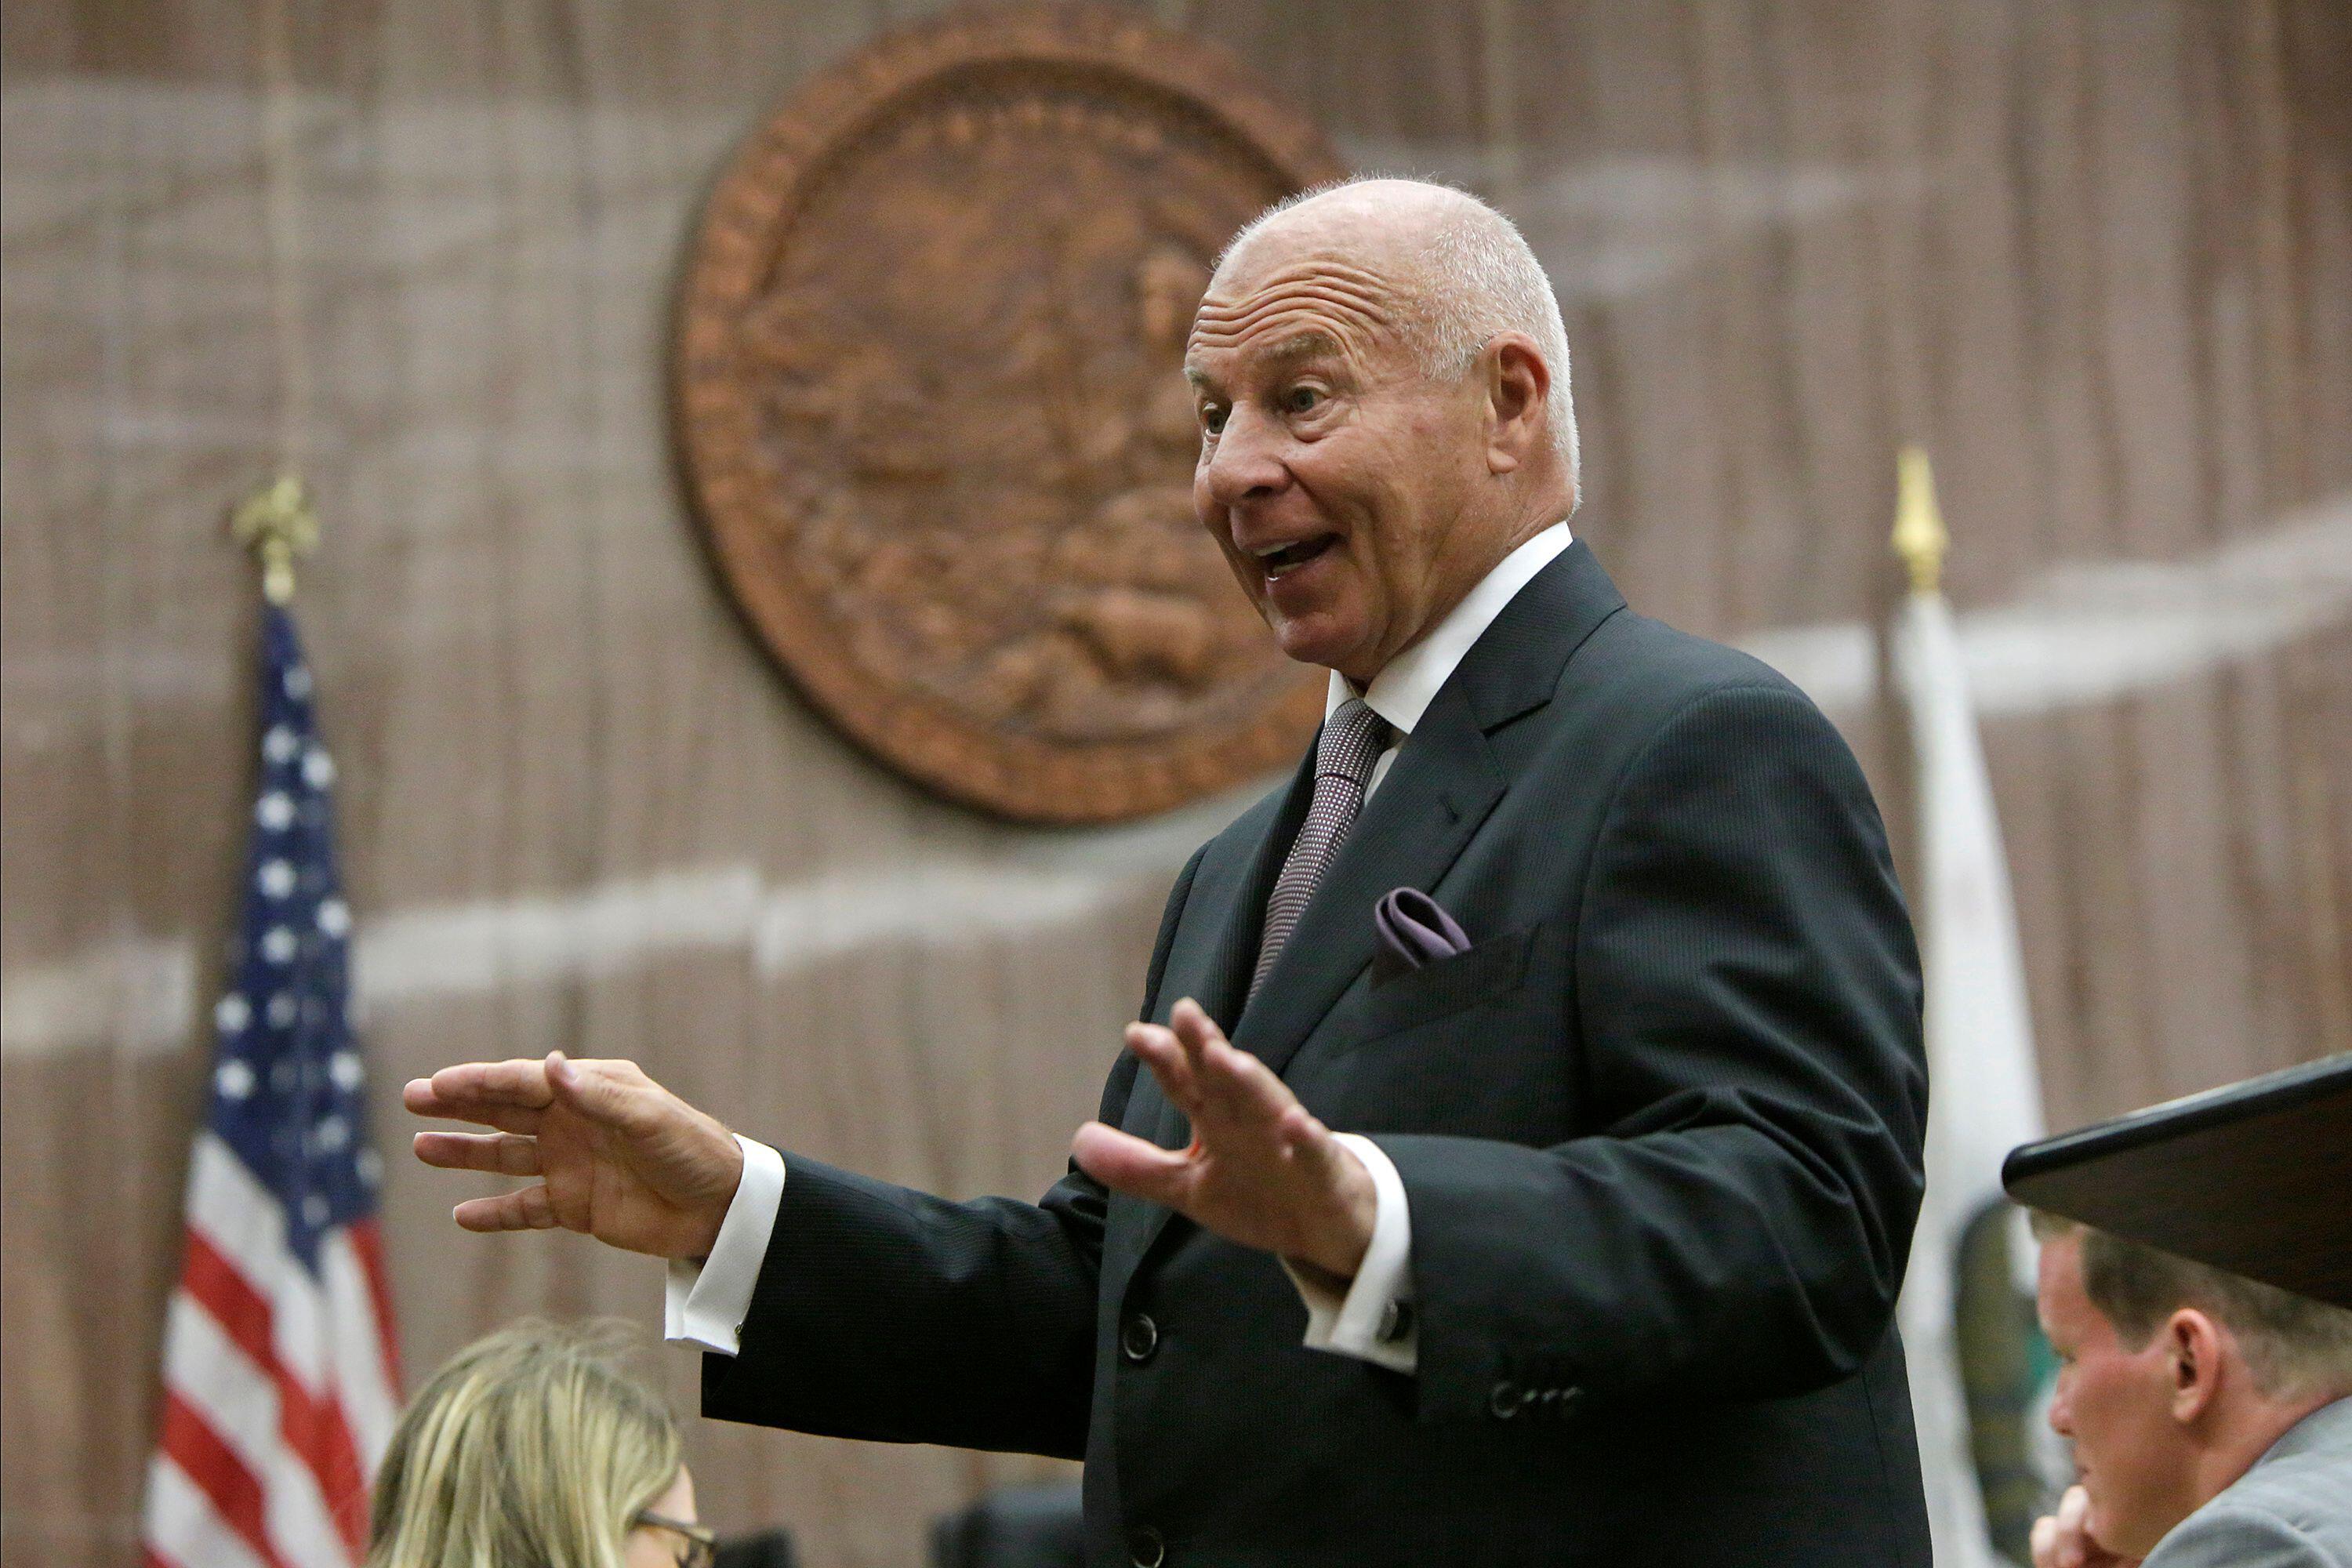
(277, 522)
(1919, 536)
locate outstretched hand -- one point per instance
(1261, 1170)
(619, 1157)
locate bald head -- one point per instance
(1382, 383)
(1459, 272)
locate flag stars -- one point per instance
(315, 1209)
(279, 944)
(332, 1133)
(280, 743)
(275, 811)
(234, 1078)
(370, 1166)
(231, 1013)
(283, 1010)
(343, 1067)
(334, 917)
(276, 879)
(298, 681)
(317, 768)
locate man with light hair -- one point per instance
(2211, 1414)
(1515, 1157)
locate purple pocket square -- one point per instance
(1411, 930)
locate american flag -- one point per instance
(280, 1371)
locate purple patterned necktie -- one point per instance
(1353, 739)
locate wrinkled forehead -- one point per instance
(1289, 303)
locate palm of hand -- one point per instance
(1252, 1190)
(1261, 1170)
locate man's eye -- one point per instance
(1213, 420)
(1301, 399)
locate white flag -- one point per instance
(1984, 1093)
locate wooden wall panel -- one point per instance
(2098, 255)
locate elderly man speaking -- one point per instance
(1516, 1157)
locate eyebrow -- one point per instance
(1311, 343)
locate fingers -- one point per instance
(1209, 1079)
(508, 1095)
(1159, 1050)
(1309, 1143)
(1126, 1164)
(501, 1153)
(1238, 1092)
(530, 1209)
(2071, 1548)
(612, 1094)
(1191, 1024)
(2044, 1541)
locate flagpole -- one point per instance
(1919, 536)
(278, 523)
(1965, 1309)
(280, 1385)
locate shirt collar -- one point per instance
(1403, 690)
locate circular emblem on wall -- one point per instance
(929, 397)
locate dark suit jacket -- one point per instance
(1659, 1128)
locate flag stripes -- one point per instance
(281, 1371)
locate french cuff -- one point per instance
(705, 1303)
(1373, 1320)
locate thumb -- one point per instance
(597, 1097)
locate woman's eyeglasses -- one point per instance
(701, 1549)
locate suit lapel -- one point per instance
(1443, 784)
(1215, 954)
(1219, 941)
(1216, 950)
(1442, 787)
(1231, 957)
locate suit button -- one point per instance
(1396, 1321)
(1144, 1547)
(1138, 1342)
(1505, 1400)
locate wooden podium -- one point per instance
(2252, 1177)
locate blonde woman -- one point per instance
(532, 1449)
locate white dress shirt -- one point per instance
(704, 1304)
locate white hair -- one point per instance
(1482, 278)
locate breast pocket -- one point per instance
(1491, 969)
(1471, 1045)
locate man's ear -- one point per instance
(1518, 392)
(2194, 1348)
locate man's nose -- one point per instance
(1245, 465)
(2062, 1413)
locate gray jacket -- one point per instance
(2292, 1510)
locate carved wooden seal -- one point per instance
(928, 394)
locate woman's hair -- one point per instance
(529, 1448)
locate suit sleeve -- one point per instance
(888, 1314)
(1746, 1023)
(2221, 1536)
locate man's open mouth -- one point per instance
(1279, 560)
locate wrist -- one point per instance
(1340, 1252)
(711, 1216)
